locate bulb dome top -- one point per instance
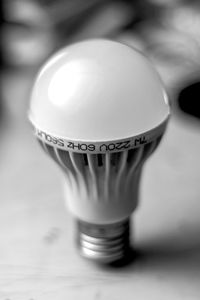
(98, 90)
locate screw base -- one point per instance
(103, 243)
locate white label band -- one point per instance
(101, 147)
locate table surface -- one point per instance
(38, 257)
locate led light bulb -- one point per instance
(99, 110)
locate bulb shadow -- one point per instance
(172, 254)
(167, 255)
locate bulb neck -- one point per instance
(104, 243)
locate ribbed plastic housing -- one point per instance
(97, 181)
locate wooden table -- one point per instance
(38, 257)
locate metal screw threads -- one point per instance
(104, 243)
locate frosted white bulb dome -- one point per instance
(98, 90)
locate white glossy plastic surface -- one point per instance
(93, 91)
(98, 90)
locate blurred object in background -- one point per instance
(27, 37)
(168, 31)
(188, 100)
(171, 33)
(34, 29)
(109, 19)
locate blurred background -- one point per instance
(168, 32)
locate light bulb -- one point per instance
(99, 110)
